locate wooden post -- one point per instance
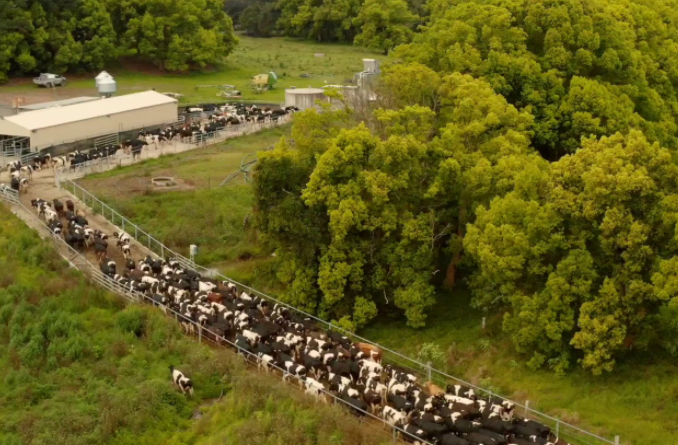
(199, 333)
(616, 440)
(527, 407)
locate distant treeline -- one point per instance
(83, 35)
(375, 24)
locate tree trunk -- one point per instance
(451, 274)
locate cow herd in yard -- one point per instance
(324, 364)
(220, 118)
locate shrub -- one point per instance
(132, 320)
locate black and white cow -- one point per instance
(182, 382)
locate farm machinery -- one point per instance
(264, 82)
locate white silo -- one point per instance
(106, 87)
(102, 75)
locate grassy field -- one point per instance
(207, 215)
(287, 58)
(78, 368)
(639, 401)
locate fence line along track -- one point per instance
(92, 273)
(425, 371)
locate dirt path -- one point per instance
(45, 188)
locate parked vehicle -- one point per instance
(49, 80)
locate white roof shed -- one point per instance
(59, 125)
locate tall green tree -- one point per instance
(321, 20)
(190, 34)
(587, 264)
(259, 19)
(388, 203)
(384, 24)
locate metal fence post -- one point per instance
(395, 435)
(616, 440)
(558, 428)
(527, 406)
(136, 233)
(199, 333)
(428, 371)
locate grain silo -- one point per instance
(303, 98)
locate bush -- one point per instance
(132, 320)
(431, 352)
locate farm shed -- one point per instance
(61, 125)
(303, 98)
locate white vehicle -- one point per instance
(49, 80)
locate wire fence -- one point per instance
(171, 147)
(424, 371)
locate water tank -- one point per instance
(106, 87)
(371, 65)
(102, 75)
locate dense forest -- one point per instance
(527, 146)
(84, 35)
(375, 24)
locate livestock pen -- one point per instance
(425, 371)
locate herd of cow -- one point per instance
(220, 117)
(324, 363)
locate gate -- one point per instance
(14, 147)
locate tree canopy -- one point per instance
(83, 35)
(384, 24)
(582, 67)
(386, 205)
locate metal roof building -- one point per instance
(64, 124)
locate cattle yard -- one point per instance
(395, 381)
